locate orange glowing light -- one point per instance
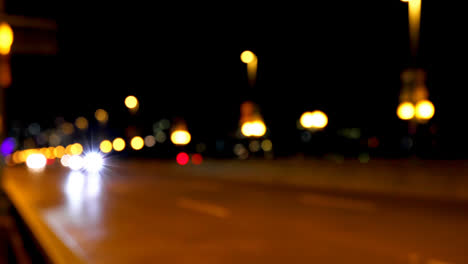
(253, 129)
(81, 123)
(405, 111)
(101, 115)
(59, 151)
(6, 38)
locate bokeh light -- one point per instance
(197, 159)
(93, 162)
(76, 162)
(267, 145)
(118, 144)
(81, 123)
(67, 128)
(6, 38)
(405, 111)
(150, 141)
(131, 102)
(59, 151)
(182, 158)
(65, 160)
(76, 149)
(424, 110)
(180, 137)
(8, 146)
(160, 137)
(247, 56)
(137, 143)
(316, 119)
(253, 129)
(36, 161)
(101, 115)
(105, 146)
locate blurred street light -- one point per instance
(6, 38)
(249, 58)
(131, 102)
(424, 110)
(255, 128)
(180, 137)
(137, 143)
(59, 151)
(36, 161)
(101, 116)
(105, 146)
(76, 149)
(405, 111)
(118, 144)
(81, 123)
(315, 120)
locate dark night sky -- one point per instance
(342, 58)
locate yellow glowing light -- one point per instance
(81, 123)
(137, 143)
(59, 151)
(105, 146)
(405, 111)
(76, 149)
(101, 115)
(316, 119)
(6, 38)
(118, 144)
(253, 129)
(247, 57)
(424, 110)
(405, 1)
(180, 137)
(131, 102)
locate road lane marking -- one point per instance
(337, 202)
(203, 207)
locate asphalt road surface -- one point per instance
(157, 212)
